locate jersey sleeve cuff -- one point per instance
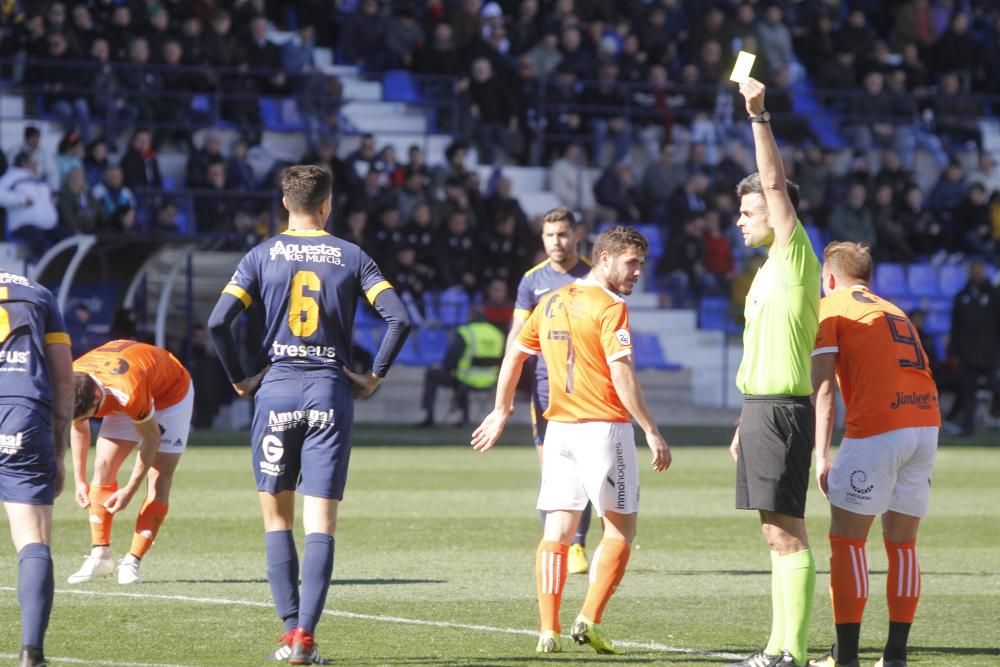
(522, 313)
(618, 355)
(825, 350)
(143, 421)
(58, 338)
(377, 289)
(239, 293)
(526, 349)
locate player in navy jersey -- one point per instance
(307, 282)
(36, 410)
(563, 266)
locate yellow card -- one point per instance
(741, 70)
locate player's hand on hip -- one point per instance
(119, 500)
(823, 465)
(487, 434)
(734, 446)
(247, 387)
(661, 451)
(753, 92)
(82, 494)
(365, 384)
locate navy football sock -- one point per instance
(283, 575)
(317, 568)
(582, 527)
(35, 589)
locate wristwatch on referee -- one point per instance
(764, 117)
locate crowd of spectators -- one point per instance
(627, 101)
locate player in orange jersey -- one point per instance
(144, 395)
(884, 464)
(582, 332)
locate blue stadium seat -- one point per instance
(906, 304)
(432, 343)
(922, 280)
(453, 306)
(201, 103)
(656, 239)
(713, 314)
(364, 316)
(938, 317)
(398, 86)
(952, 278)
(649, 354)
(815, 235)
(270, 113)
(890, 280)
(409, 355)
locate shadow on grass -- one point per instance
(921, 651)
(334, 582)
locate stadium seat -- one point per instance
(432, 343)
(649, 354)
(453, 306)
(890, 280)
(938, 317)
(952, 278)
(364, 316)
(922, 280)
(270, 113)
(655, 238)
(713, 314)
(410, 354)
(815, 235)
(398, 86)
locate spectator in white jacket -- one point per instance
(31, 215)
(572, 183)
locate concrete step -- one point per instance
(358, 89)
(523, 179)
(663, 321)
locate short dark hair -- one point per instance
(561, 214)
(85, 393)
(752, 184)
(31, 131)
(617, 240)
(850, 259)
(305, 187)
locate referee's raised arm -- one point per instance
(772, 172)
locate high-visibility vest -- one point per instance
(479, 366)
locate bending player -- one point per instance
(890, 442)
(145, 397)
(582, 332)
(308, 283)
(36, 407)
(563, 266)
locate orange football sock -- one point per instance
(902, 585)
(848, 579)
(100, 517)
(146, 526)
(550, 577)
(606, 572)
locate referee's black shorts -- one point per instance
(777, 434)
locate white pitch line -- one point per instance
(105, 663)
(379, 618)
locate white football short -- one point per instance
(888, 471)
(593, 461)
(174, 422)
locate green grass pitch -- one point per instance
(434, 565)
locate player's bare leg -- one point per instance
(111, 454)
(793, 581)
(154, 509)
(30, 530)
